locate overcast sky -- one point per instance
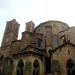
(36, 10)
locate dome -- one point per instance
(55, 27)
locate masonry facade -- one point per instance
(48, 49)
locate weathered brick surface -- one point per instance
(62, 55)
(50, 34)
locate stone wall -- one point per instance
(28, 60)
(62, 55)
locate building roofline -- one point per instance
(16, 41)
(41, 24)
(66, 29)
(61, 46)
(25, 51)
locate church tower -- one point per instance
(11, 33)
(30, 26)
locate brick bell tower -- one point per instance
(30, 26)
(11, 33)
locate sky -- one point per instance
(37, 11)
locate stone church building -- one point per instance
(48, 49)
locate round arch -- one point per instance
(36, 67)
(20, 67)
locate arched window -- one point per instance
(36, 68)
(55, 41)
(70, 67)
(20, 67)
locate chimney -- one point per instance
(30, 26)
